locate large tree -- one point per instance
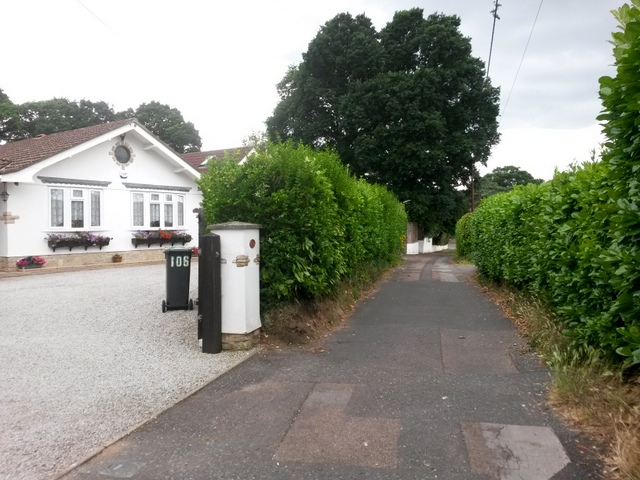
(169, 125)
(10, 125)
(408, 107)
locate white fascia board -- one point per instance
(181, 165)
(244, 160)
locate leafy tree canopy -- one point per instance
(30, 119)
(169, 125)
(408, 107)
(503, 179)
(9, 118)
(510, 176)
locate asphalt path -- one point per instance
(427, 380)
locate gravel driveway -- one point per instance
(88, 355)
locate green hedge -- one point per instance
(463, 236)
(320, 224)
(562, 241)
(575, 241)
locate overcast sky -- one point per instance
(218, 62)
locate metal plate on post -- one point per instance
(242, 261)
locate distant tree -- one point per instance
(10, 125)
(510, 176)
(60, 114)
(30, 119)
(168, 124)
(124, 114)
(503, 179)
(408, 107)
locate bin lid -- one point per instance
(178, 249)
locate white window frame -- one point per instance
(176, 200)
(68, 198)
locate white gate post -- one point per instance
(240, 283)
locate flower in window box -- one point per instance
(180, 236)
(76, 239)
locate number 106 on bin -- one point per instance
(180, 261)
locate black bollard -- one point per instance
(210, 294)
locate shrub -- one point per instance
(463, 236)
(575, 241)
(319, 224)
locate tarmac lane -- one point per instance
(426, 381)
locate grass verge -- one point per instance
(594, 396)
(306, 323)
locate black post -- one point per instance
(210, 294)
(201, 232)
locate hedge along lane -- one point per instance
(320, 224)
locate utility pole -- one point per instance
(495, 15)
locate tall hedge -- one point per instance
(621, 114)
(463, 236)
(320, 224)
(576, 240)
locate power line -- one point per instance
(92, 13)
(506, 103)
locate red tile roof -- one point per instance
(15, 156)
(195, 159)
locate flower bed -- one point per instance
(30, 262)
(77, 239)
(160, 237)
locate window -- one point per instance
(138, 210)
(76, 208)
(57, 207)
(164, 210)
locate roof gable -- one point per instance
(22, 157)
(16, 156)
(198, 160)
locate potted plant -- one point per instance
(30, 262)
(117, 258)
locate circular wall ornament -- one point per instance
(122, 154)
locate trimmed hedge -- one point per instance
(575, 241)
(463, 236)
(561, 241)
(320, 224)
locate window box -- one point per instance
(78, 239)
(160, 237)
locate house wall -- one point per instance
(30, 201)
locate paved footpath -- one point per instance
(427, 380)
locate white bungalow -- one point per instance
(115, 181)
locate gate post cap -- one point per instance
(234, 226)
